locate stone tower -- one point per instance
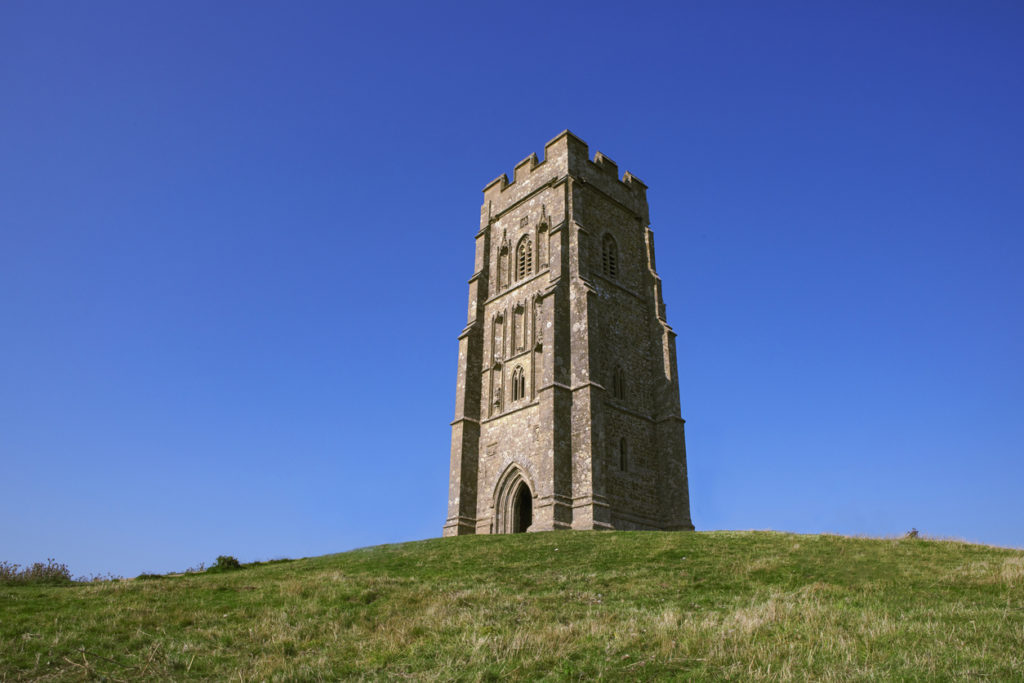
(567, 402)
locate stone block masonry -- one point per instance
(567, 411)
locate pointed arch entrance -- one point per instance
(513, 503)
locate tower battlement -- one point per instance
(565, 155)
(606, 164)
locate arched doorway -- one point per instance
(513, 503)
(522, 509)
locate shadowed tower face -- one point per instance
(567, 400)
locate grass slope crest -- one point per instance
(557, 606)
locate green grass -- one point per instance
(558, 606)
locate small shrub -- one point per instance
(228, 562)
(225, 563)
(50, 573)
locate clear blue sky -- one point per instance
(235, 239)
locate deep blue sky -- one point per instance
(235, 239)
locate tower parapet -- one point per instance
(564, 155)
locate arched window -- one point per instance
(619, 383)
(524, 258)
(518, 383)
(610, 257)
(623, 456)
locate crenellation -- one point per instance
(501, 182)
(606, 165)
(633, 182)
(524, 168)
(532, 174)
(565, 155)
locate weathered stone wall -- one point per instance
(510, 440)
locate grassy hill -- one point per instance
(562, 605)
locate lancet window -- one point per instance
(619, 383)
(610, 257)
(524, 258)
(518, 383)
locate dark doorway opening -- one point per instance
(522, 510)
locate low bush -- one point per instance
(51, 573)
(225, 563)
